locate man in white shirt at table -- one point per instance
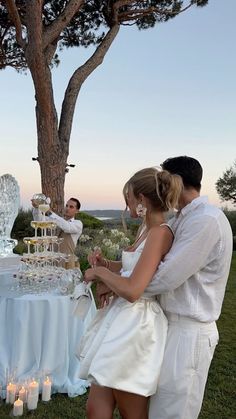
(70, 229)
(191, 282)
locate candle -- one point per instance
(46, 393)
(7, 393)
(34, 388)
(22, 394)
(18, 408)
(33, 395)
(32, 401)
(11, 393)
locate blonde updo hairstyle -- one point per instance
(162, 188)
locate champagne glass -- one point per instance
(35, 225)
(44, 208)
(59, 241)
(27, 240)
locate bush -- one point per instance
(21, 227)
(89, 221)
(231, 215)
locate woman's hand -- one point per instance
(96, 258)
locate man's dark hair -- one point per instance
(78, 205)
(188, 168)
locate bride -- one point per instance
(122, 351)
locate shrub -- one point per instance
(21, 227)
(89, 221)
(231, 215)
(110, 241)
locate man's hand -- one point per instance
(89, 275)
(35, 203)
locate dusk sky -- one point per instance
(159, 93)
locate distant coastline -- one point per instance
(107, 214)
(104, 218)
(116, 215)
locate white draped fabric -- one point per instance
(39, 334)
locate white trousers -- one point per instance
(188, 353)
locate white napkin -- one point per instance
(83, 296)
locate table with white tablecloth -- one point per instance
(38, 334)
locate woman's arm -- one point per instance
(114, 265)
(157, 244)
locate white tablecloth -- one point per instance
(38, 333)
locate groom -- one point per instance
(191, 281)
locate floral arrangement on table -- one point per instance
(110, 241)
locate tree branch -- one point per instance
(133, 13)
(52, 32)
(15, 17)
(76, 81)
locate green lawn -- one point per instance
(220, 396)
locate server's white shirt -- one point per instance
(72, 226)
(193, 276)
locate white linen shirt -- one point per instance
(193, 276)
(72, 226)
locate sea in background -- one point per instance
(116, 215)
(104, 218)
(106, 214)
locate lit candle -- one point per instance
(33, 395)
(22, 394)
(46, 393)
(34, 388)
(18, 408)
(11, 393)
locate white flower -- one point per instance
(84, 238)
(114, 232)
(125, 241)
(107, 242)
(115, 246)
(121, 234)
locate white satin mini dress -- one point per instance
(123, 346)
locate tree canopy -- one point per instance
(32, 33)
(226, 185)
(67, 23)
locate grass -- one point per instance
(220, 395)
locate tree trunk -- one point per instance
(52, 154)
